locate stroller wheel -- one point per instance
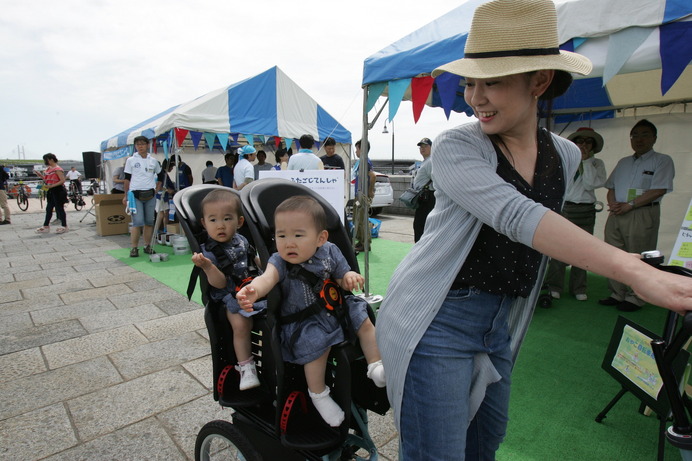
(221, 440)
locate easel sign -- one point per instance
(327, 183)
(630, 360)
(682, 250)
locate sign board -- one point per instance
(682, 250)
(327, 183)
(630, 360)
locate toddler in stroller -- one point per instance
(315, 315)
(227, 259)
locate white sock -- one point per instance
(327, 408)
(376, 373)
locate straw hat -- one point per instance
(516, 36)
(586, 132)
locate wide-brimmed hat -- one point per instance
(516, 36)
(586, 132)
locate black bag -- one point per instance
(410, 197)
(144, 195)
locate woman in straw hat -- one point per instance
(580, 208)
(458, 306)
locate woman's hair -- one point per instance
(221, 195)
(49, 156)
(307, 205)
(280, 153)
(140, 139)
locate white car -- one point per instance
(384, 194)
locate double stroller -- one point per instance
(277, 420)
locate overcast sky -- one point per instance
(76, 72)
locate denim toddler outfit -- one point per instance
(236, 251)
(304, 341)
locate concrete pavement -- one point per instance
(99, 361)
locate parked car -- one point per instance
(384, 194)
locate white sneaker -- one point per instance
(581, 297)
(248, 376)
(555, 294)
(376, 373)
(327, 407)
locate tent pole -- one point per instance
(362, 191)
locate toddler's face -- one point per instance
(221, 220)
(297, 238)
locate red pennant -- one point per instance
(277, 141)
(420, 90)
(180, 135)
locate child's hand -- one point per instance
(352, 281)
(246, 297)
(201, 261)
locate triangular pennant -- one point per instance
(180, 135)
(250, 139)
(196, 136)
(209, 138)
(262, 138)
(223, 140)
(277, 141)
(621, 45)
(675, 51)
(131, 149)
(289, 142)
(420, 90)
(155, 145)
(317, 145)
(447, 87)
(397, 88)
(165, 149)
(234, 137)
(374, 92)
(577, 42)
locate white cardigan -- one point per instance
(468, 193)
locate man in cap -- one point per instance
(244, 172)
(580, 208)
(423, 180)
(635, 188)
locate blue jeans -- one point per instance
(435, 410)
(146, 213)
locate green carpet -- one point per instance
(558, 384)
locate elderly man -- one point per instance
(635, 188)
(423, 180)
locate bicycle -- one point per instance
(75, 196)
(23, 196)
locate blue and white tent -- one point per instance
(641, 51)
(268, 105)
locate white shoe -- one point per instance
(581, 297)
(248, 376)
(555, 294)
(376, 373)
(327, 408)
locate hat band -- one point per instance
(520, 52)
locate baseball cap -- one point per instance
(425, 141)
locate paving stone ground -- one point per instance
(99, 361)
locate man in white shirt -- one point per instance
(305, 159)
(209, 173)
(244, 172)
(580, 208)
(74, 176)
(635, 188)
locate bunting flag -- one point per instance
(277, 141)
(223, 140)
(447, 86)
(374, 92)
(262, 138)
(676, 52)
(196, 136)
(621, 46)
(165, 149)
(397, 88)
(180, 135)
(250, 139)
(234, 137)
(289, 143)
(209, 138)
(420, 90)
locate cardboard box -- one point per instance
(111, 218)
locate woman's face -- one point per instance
(503, 105)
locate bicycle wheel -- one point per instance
(221, 440)
(78, 203)
(22, 201)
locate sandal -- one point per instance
(43, 230)
(149, 250)
(61, 230)
(134, 253)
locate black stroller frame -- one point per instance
(276, 420)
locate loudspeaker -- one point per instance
(92, 164)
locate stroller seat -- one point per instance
(346, 370)
(188, 204)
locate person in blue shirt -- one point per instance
(224, 175)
